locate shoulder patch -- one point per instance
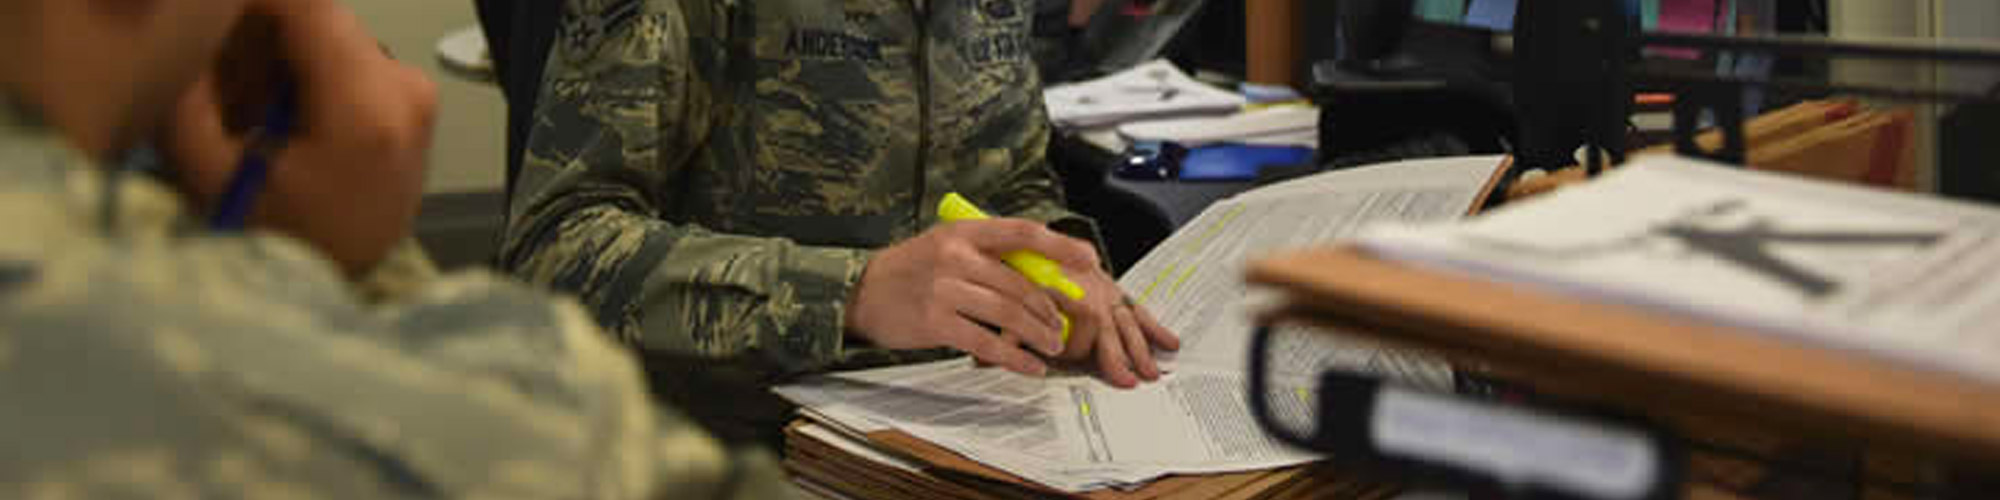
(586, 24)
(999, 10)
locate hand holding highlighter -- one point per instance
(1037, 268)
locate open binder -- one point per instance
(1659, 315)
(1656, 364)
(1706, 379)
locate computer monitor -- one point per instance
(1492, 15)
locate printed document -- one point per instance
(1074, 433)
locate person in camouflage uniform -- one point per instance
(746, 191)
(144, 356)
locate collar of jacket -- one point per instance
(36, 158)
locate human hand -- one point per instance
(350, 178)
(948, 285)
(1120, 335)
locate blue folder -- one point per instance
(1235, 162)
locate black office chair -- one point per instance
(519, 34)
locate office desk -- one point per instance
(1173, 201)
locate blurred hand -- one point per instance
(948, 285)
(1119, 335)
(350, 178)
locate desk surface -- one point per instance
(1176, 201)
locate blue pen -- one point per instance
(232, 213)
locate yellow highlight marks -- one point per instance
(1213, 229)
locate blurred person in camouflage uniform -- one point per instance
(746, 191)
(143, 355)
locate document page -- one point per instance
(1075, 433)
(1199, 414)
(1905, 276)
(1049, 430)
(1193, 281)
(1070, 432)
(978, 403)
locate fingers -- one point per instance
(1098, 331)
(1156, 333)
(983, 345)
(1134, 341)
(1111, 358)
(983, 271)
(345, 81)
(1003, 236)
(1010, 315)
(198, 141)
(1084, 323)
(324, 40)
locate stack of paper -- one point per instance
(1152, 90)
(838, 463)
(828, 453)
(1271, 126)
(1072, 433)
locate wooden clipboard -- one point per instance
(1636, 359)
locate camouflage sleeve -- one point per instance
(1031, 189)
(622, 110)
(245, 368)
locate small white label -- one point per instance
(1516, 446)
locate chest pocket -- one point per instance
(989, 113)
(829, 133)
(988, 73)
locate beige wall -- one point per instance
(471, 134)
(1963, 21)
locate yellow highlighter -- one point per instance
(1037, 268)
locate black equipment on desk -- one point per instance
(1370, 31)
(1400, 90)
(1967, 152)
(1570, 92)
(1577, 64)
